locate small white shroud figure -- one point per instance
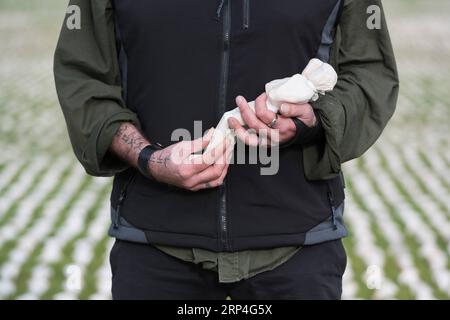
(317, 78)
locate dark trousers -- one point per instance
(143, 272)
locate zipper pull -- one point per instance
(333, 218)
(246, 14)
(333, 210)
(119, 207)
(219, 9)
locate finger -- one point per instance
(304, 112)
(234, 124)
(203, 161)
(212, 173)
(230, 150)
(201, 143)
(212, 155)
(285, 127)
(264, 116)
(266, 140)
(223, 161)
(221, 179)
(212, 184)
(242, 133)
(225, 157)
(197, 162)
(262, 113)
(294, 110)
(274, 139)
(248, 115)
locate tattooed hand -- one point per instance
(175, 164)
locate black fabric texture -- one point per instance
(142, 272)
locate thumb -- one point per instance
(290, 110)
(201, 143)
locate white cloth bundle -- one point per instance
(317, 78)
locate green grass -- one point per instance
(440, 240)
(66, 257)
(391, 267)
(428, 164)
(90, 279)
(410, 239)
(359, 267)
(423, 186)
(37, 178)
(27, 267)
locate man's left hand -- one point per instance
(262, 129)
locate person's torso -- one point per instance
(186, 61)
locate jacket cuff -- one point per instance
(323, 161)
(304, 134)
(103, 162)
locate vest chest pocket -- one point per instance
(306, 15)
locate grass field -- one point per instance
(54, 218)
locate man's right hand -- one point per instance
(176, 166)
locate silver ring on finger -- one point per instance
(273, 123)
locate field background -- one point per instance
(54, 218)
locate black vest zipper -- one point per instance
(221, 109)
(122, 196)
(332, 205)
(246, 16)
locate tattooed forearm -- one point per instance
(133, 139)
(128, 143)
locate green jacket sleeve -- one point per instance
(355, 113)
(87, 78)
